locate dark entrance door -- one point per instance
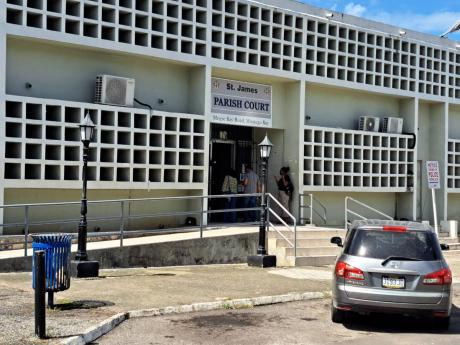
(222, 159)
(231, 147)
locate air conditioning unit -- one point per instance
(114, 90)
(392, 125)
(369, 123)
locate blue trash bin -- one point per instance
(57, 261)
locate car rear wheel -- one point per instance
(337, 316)
(442, 323)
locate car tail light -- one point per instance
(441, 277)
(394, 228)
(441, 313)
(346, 271)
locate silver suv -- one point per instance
(391, 267)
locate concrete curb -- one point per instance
(97, 331)
(106, 326)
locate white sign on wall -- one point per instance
(432, 172)
(239, 103)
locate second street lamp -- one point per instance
(262, 259)
(81, 267)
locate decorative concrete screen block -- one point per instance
(143, 23)
(130, 145)
(345, 159)
(453, 165)
(252, 33)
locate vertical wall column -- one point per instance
(406, 202)
(207, 133)
(432, 145)
(293, 138)
(199, 103)
(443, 162)
(2, 104)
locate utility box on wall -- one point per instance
(114, 90)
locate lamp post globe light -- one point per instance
(81, 266)
(262, 259)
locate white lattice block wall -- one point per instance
(453, 165)
(42, 143)
(338, 159)
(252, 33)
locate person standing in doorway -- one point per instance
(251, 185)
(285, 191)
(230, 186)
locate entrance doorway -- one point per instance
(231, 147)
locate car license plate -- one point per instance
(393, 282)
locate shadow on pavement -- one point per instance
(83, 304)
(393, 323)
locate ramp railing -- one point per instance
(350, 201)
(115, 215)
(281, 223)
(314, 207)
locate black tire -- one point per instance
(337, 316)
(442, 323)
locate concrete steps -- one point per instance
(308, 234)
(317, 260)
(313, 251)
(453, 242)
(454, 251)
(448, 240)
(303, 243)
(313, 246)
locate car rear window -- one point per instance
(380, 244)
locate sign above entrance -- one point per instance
(239, 103)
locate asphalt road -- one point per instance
(289, 323)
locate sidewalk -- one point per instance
(89, 301)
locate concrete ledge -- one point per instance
(198, 251)
(106, 326)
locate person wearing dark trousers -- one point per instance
(230, 186)
(251, 185)
(285, 191)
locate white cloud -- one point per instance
(354, 9)
(436, 22)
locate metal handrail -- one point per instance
(347, 211)
(188, 197)
(324, 217)
(312, 208)
(122, 217)
(293, 245)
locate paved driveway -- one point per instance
(289, 323)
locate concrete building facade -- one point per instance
(321, 71)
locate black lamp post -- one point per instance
(81, 267)
(262, 259)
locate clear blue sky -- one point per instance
(430, 16)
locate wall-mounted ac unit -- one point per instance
(392, 125)
(114, 90)
(369, 123)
